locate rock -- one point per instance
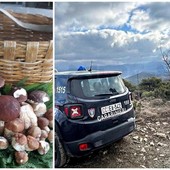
(162, 135)
(135, 137)
(158, 123)
(143, 150)
(161, 155)
(152, 144)
(142, 166)
(155, 159)
(105, 152)
(161, 144)
(145, 139)
(165, 123)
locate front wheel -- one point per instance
(60, 155)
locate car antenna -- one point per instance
(90, 69)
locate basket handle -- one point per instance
(35, 27)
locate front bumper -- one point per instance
(100, 138)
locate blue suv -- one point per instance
(93, 109)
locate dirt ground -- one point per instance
(147, 147)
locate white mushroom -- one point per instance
(39, 109)
(28, 116)
(34, 131)
(3, 143)
(20, 94)
(44, 135)
(43, 148)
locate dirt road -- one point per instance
(147, 147)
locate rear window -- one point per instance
(97, 87)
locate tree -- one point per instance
(166, 58)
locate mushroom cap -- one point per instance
(38, 96)
(34, 131)
(49, 114)
(2, 82)
(16, 125)
(21, 157)
(9, 108)
(32, 143)
(20, 138)
(3, 143)
(44, 135)
(42, 122)
(20, 94)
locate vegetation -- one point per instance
(151, 87)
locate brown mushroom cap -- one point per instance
(43, 122)
(49, 114)
(38, 96)
(50, 136)
(34, 131)
(2, 82)
(3, 143)
(16, 125)
(9, 108)
(20, 138)
(32, 143)
(21, 157)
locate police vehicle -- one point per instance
(93, 109)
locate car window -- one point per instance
(97, 87)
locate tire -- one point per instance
(60, 154)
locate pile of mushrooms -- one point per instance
(25, 122)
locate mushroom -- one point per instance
(2, 124)
(43, 123)
(39, 109)
(50, 136)
(9, 108)
(34, 131)
(19, 142)
(32, 143)
(38, 96)
(21, 157)
(43, 148)
(20, 94)
(44, 135)
(28, 116)
(14, 126)
(49, 116)
(3, 143)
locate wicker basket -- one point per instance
(26, 47)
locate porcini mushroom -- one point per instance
(3, 143)
(34, 131)
(32, 143)
(20, 94)
(43, 148)
(2, 124)
(50, 136)
(39, 109)
(28, 116)
(19, 142)
(21, 157)
(9, 108)
(49, 116)
(38, 96)
(44, 135)
(43, 123)
(12, 127)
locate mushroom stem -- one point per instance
(2, 124)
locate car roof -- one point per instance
(88, 73)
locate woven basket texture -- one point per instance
(25, 53)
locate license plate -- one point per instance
(111, 108)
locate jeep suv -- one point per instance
(93, 109)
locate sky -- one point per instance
(110, 33)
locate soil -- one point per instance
(147, 147)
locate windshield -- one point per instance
(99, 86)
